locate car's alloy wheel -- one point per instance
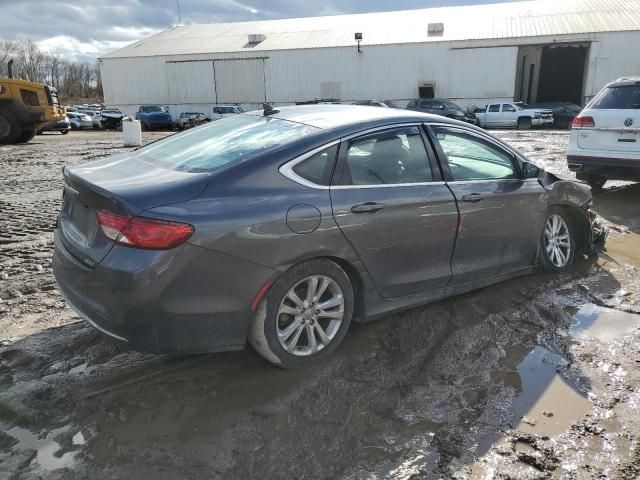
(557, 241)
(304, 315)
(310, 315)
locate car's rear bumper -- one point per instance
(185, 300)
(612, 168)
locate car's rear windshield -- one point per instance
(223, 143)
(618, 98)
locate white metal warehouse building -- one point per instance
(545, 50)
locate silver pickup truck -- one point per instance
(514, 115)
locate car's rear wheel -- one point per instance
(557, 243)
(9, 130)
(64, 132)
(596, 182)
(524, 123)
(305, 315)
(26, 135)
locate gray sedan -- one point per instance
(280, 227)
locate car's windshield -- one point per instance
(222, 143)
(152, 109)
(452, 106)
(618, 98)
(521, 105)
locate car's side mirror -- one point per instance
(529, 170)
(441, 107)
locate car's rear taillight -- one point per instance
(583, 122)
(142, 232)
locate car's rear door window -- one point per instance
(472, 158)
(224, 142)
(396, 156)
(625, 97)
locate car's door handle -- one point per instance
(369, 207)
(474, 197)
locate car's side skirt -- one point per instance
(377, 306)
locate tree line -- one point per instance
(73, 80)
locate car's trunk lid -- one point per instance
(125, 185)
(615, 130)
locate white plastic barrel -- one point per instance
(132, 132)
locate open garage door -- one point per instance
(240, 80)
(562, 74)
(551, 73)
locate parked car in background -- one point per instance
(111, 118)
(514, 115)
(154, 117)
(221, 111)
(604, 143)
(63, 126)
(563, 112)
(255, 228)
(94, 114)
(445, 108)
(375, 103)
(79, 120)
(190, 119)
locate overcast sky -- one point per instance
(85, 29)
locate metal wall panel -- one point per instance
(191, 82)
(240, 81)
(134, 81)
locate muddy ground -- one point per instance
(537, 377)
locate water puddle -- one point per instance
(624, 248)
(46, 448)
(604, 324)
(546, 402)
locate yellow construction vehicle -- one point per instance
(25, 108)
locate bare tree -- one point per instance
(72, 79)
(7, 50)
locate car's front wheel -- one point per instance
(305, 315)
(524, 123)
(557, 243)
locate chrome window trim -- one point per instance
(387, 185)
(486, 180)
(287, 168)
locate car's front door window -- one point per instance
(471, 158)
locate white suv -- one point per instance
(605, 137)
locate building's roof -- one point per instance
(476, 22)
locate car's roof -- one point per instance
(625, 81)
(336, 116)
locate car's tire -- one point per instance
(524, 123)
(291, 331)
(64, 132)
(557, 241)
(145, 127)
(74, 126)
(9, 128)
(596, 182)
(25, 136)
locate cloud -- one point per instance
(84, 30)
